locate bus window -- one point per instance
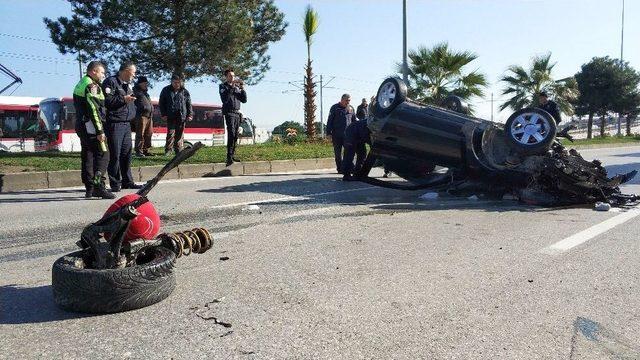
(50, 114)
(18, 124)
(69, 113)
(217, 119)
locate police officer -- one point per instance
(121, 109)
(232, 94)
(341, 115)
(356, 136)
(549, 106)
(88, 101)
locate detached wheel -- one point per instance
(531, 131)
(391, 93)
(76, 288)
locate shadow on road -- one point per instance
(613, 170)
(42, 200)
(29, 305)
(333, 191)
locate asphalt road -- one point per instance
(327, 269)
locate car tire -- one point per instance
(530, 130)
(78, 289)
(391, 93)
(456, 104)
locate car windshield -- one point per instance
(50, 113)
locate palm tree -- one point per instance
(309, 26)
(437, 72)
(524, 85)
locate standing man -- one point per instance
(232, 94)
(341, 115)
(549, 106)
(88, 101)
(357, 135)
(119, 101)
(363, 110)
(144, 117)
(175, 109)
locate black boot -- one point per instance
(89, 192)
(102, 192)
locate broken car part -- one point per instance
(114, 273)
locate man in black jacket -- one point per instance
(341, 115)
(549, 106)
(357, 135)
(144, 117)
(119, 101)
(232, 94)
(175, 109)
(363, 110)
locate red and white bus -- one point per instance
(18, 123)
(59, 115)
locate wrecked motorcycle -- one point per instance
(522, 157)
(122, 264)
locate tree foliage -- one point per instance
(605, 85)
(196, 38)
(281, 129)
(437, 72)
(309, 27)
(524, 85)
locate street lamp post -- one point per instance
(405, 67)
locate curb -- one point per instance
(70, 178)
(602, 146)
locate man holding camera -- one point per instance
(232, 94)
(175, 109)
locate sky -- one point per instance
(358, 44)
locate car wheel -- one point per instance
(530, 130)
(81, 289)
(455, 103)
(391, 93)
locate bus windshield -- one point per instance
(50, 113)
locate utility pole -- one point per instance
(491, 106)
(322, 86)
(321, 116)
(621, 63)
(622, 35)
(80, 65)
(405, 67)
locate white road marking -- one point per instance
(287, 198)
(588, 234)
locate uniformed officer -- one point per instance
(549, 106)
(121, 109)
(232, 93)
(88, 101)
(356, 136)
(341, 115)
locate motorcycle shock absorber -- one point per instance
(186, 242)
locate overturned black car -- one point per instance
(522, 157)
